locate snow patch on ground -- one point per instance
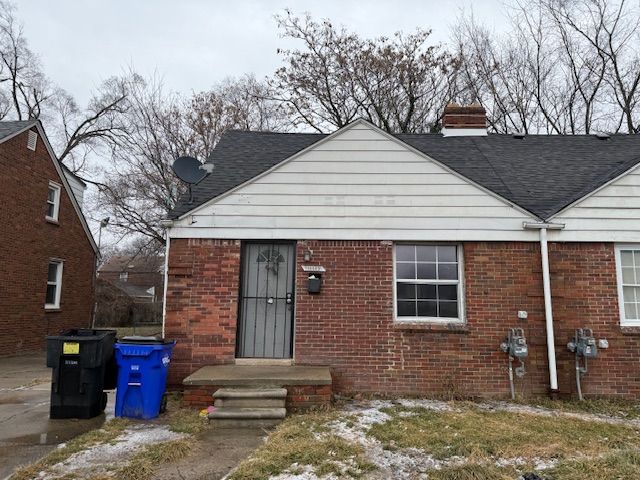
(398, 464)
(105, 456)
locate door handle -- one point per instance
(289, 299)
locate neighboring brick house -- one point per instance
(47, 253)
(426, 248)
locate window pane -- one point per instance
(426, 253)
(448, 309)
(636, 257)
(630, 311)
(406, 291)
(427, 309)
(448, 271)
(51, 294)
(406, 309)
(427, 292)
(427, 271)
(53, 271)
(627, 275)
(447, 253)
(406, 252)
(447, 292)
(51, 196)
(51, 210)
(626, 258)
(630, 294)
(406, 270)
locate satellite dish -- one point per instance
(188, 170)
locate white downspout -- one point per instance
(166, 281)
(548, 311)
(548, 306)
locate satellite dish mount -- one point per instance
(190, 171)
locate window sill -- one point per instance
(453, 327)
(631, 331)
(52, 309)
(52, 221)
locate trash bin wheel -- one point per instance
(103, 401)
(163, 404)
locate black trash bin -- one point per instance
(83, 367)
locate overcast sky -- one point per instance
(192, 44)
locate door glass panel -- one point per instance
(268, 275)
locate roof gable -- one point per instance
(542, 174)
(359, 183)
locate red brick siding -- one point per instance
(350, 327)
(202, 303)
(28, 242)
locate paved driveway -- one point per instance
(26, 432)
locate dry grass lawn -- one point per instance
(455, 441)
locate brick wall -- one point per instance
(202, 303)
(28, 242)
(350, 327)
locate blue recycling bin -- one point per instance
(143, 363)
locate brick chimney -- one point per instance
(460, 121)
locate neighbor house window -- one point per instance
(124, 276)
(428, 282)
(53, 201)
(54, 284)
(628, 267)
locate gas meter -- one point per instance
(516, 346)
(584, 343)
(584, 346)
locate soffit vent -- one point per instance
(32, 140)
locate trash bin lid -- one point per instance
(142, 340)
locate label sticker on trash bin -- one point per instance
(165, 360)
(70, 348)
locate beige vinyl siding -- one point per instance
(76, 187)
(610, 214)
(359, 184)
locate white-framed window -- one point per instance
(124, 276)
(628, 273)
(428, 282)
(53, 201)
(54, 284)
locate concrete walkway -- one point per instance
(26, 432)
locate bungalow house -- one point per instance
(399, 262)
(47, 252)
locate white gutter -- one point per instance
(548, 306)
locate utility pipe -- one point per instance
(166, 280)
(548, 312)
(548, 306)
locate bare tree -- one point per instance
(399, 83)
(563, 67)
(26, 93)
(139, 188)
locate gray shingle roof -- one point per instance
(540, 173)
(10, 127)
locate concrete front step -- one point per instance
(247, 417)
(250, 398)
(249, 413)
